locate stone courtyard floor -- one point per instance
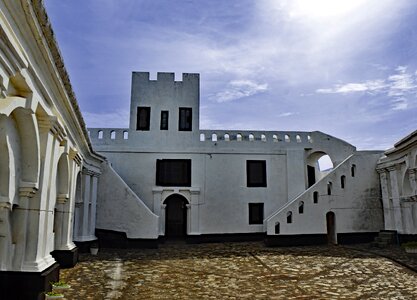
(238, 271)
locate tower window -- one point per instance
(256, 213)
(164, 120)
(256, 173)
(185, 120)
(143, 118)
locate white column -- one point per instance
(395, 199)
(162, 219)
(413, 183)
(388, 213)
(407, 214)
(93, 205)
(86, 202)
(6, 249)
(194, 214)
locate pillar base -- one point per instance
(66, 258)
(27, 285)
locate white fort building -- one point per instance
(63, 187)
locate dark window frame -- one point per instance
(147, 125)
(164, 125)
(161, 181)
(250, 165)
(187, 124)
(256, 219)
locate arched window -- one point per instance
(125, 135)
(287, 138)
(100, 134)
(329, 188)
(289, 217)
(263, 137)
(353, 170)
(298, 138)
(251, 137)
(277, 228)
(275, 138)
(309, 139)
(202, 137)
(227, 137)
(316, 197)
(214, 137)
(239, 137)
(301, 207)
(112, 134)
(342, 181)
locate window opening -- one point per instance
(256, 173)
(289, 217)
(164, 120)
(342, 181)
(256, 213)
(173, 172)
(316, 197)
(143, 118)
(185, 119)
(301, 207)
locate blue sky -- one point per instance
(347, 68)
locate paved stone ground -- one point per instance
(238, 271)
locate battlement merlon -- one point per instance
(164, 77)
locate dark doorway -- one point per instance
(175, 216)
(331, 228)
(311, 175)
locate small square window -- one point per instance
(185, 119)
(143, 118)
(164, 120)
(256, 173)
(256, 213)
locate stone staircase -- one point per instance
(385, 238)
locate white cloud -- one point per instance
(400, 87)
(237, 89)
(286, 114)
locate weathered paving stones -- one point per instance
(238, 271)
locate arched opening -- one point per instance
(112, 135)
(277, 228)
(263, 137)
(62, 191)
(100, 134)
(316, 197)
(214, 137)
(329, 188)
(125, 135)
(406, 191)
(331, 228)
(298, 138)
(319, 164)
(239, 137)
(353, 170)
(342, 181)
(251, 137)
(287, 138)
(227, 137)
(176, 216)
(275, 138)
(301, 207)
(289, 217)
(202, 137)
(309, 139)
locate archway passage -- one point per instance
(331, 228)
(175, 216)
